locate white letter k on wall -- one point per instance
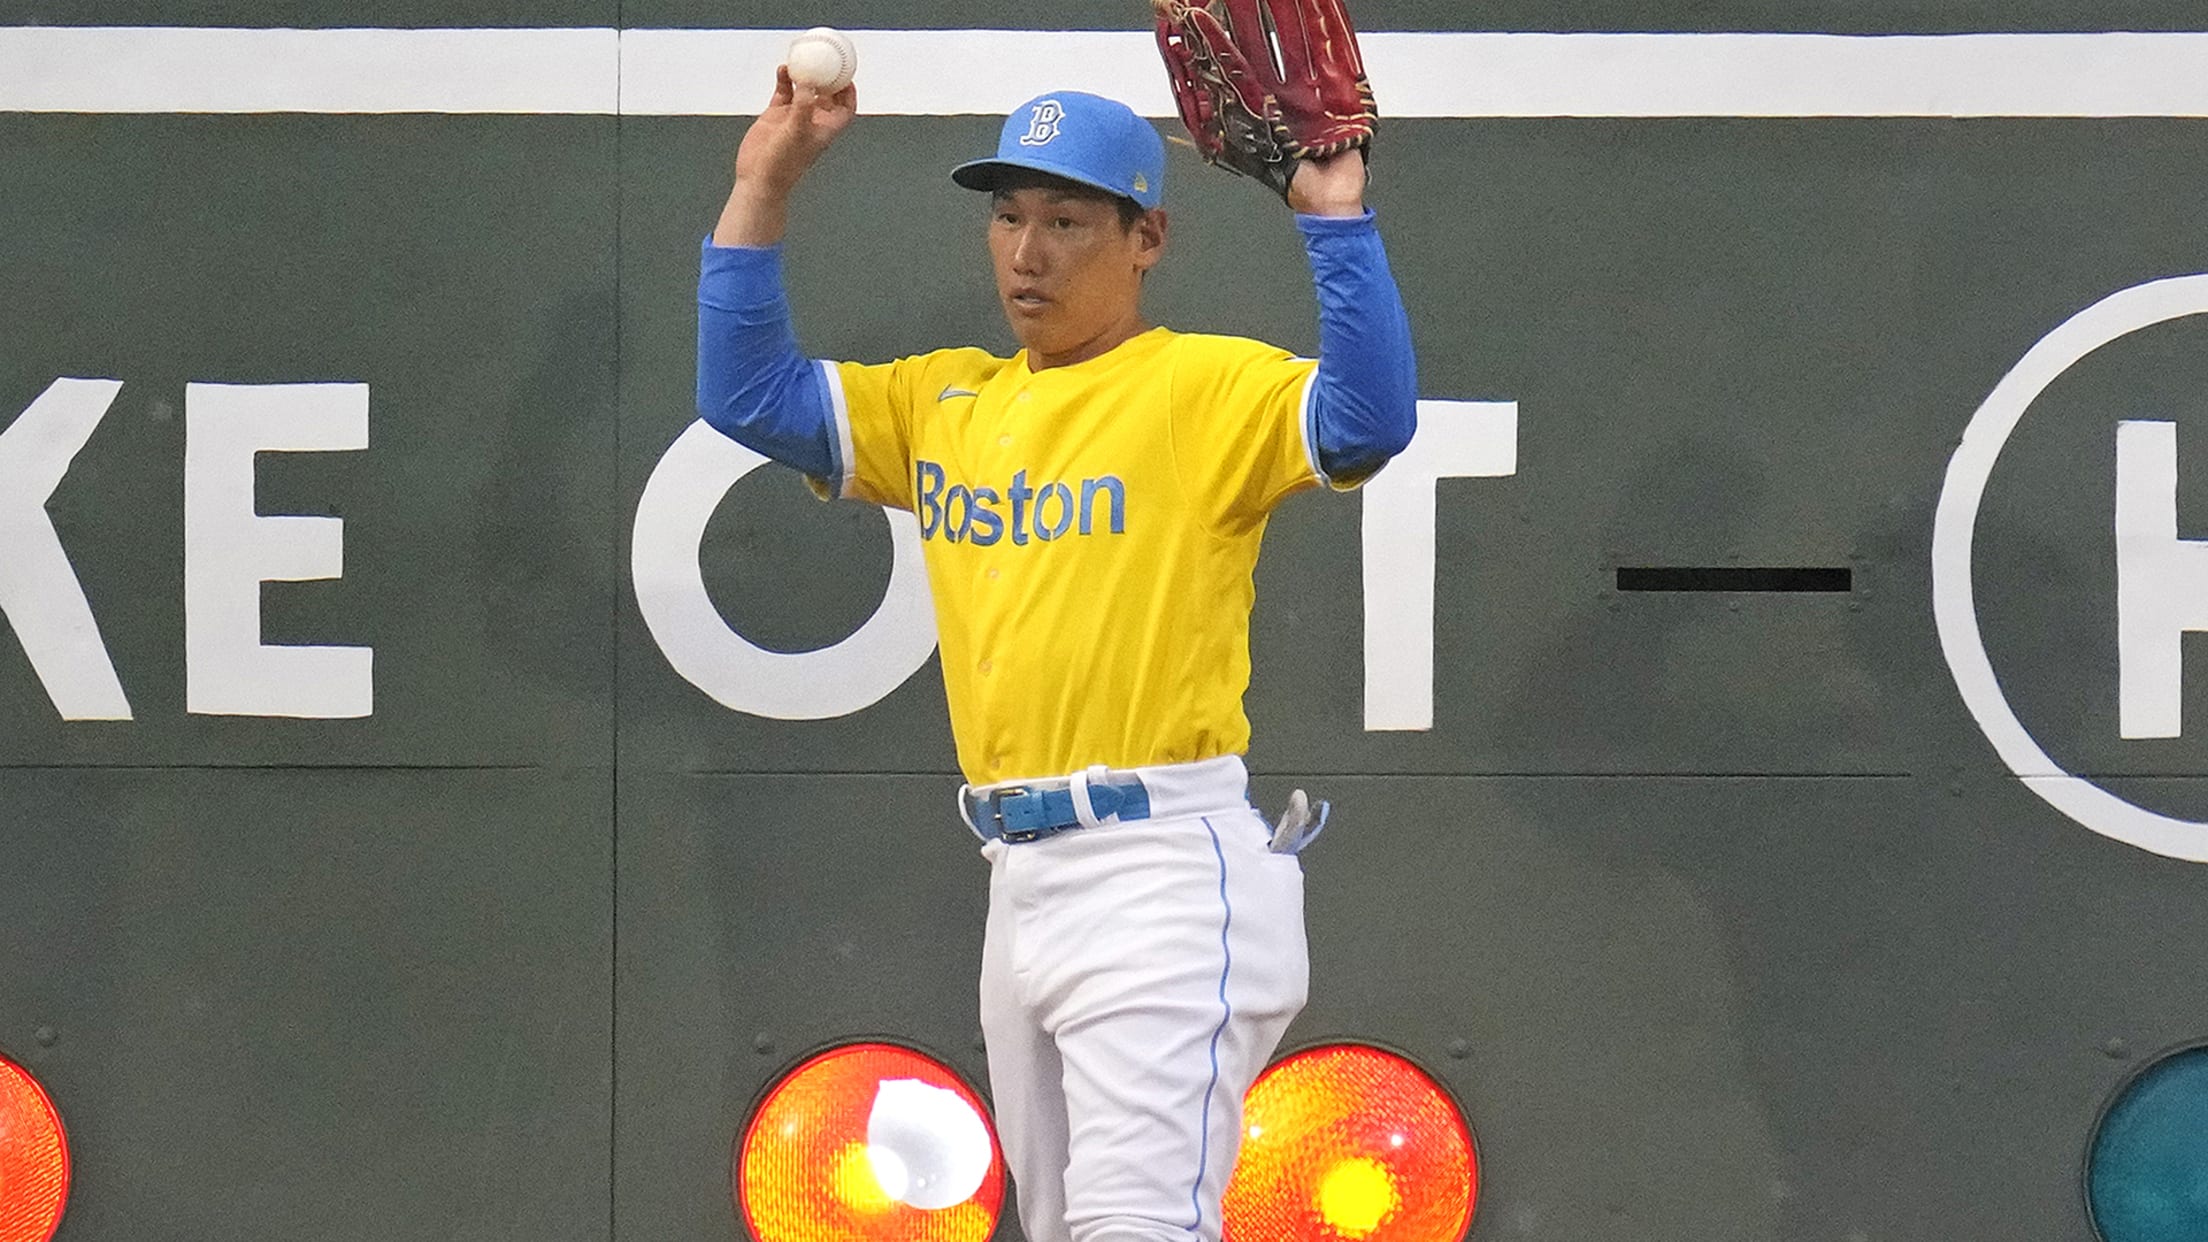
(39, 591)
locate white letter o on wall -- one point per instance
(691, 480)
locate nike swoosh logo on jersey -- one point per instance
(949, 392)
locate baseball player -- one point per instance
(1091, 508)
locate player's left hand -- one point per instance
(1266, 86)
(1331, 186)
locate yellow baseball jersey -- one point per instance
(1091, 532)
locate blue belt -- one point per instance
(1018, 814)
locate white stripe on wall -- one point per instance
(1645, 75)
(901, 72)
(178, 69)
(961, 72)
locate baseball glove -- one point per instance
(1262, 84)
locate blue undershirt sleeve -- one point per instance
(754, 385)
(1364, 398)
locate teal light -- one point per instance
(2147, 1179)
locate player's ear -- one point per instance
(1149, 236)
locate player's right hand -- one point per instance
(791, 132)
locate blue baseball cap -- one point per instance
(1082, 137)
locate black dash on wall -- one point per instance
(1734, 578)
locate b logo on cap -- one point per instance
(1042, 124)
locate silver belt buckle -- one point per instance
(1012, 836)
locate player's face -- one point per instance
(1069, 274)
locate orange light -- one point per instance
(870, 1143)
(1347, 1143)
(34, 1159)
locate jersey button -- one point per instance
(992, 575)
(985, 667)
(1027, 396)
(1004, 442)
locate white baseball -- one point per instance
(823, 59)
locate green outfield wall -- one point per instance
(438, 792)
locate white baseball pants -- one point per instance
(1135, 980)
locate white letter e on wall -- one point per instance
(229, 551)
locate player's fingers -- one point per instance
(784, 89)
(810, 104)
(831, 114)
